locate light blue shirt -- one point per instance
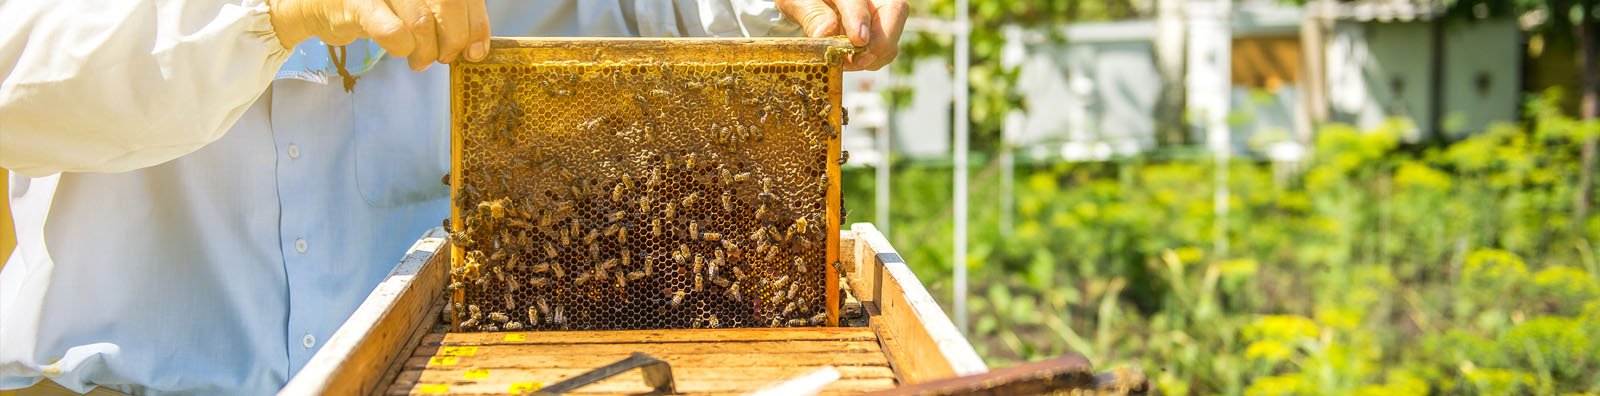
(221, 271)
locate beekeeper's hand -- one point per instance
(874, 24)
(424, 31)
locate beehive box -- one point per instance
(646, 184)
(396, 342)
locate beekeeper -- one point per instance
(203, 191)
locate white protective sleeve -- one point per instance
(713, 18)
(110, 86)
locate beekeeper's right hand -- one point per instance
(424, 31)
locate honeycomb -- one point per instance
(646, 184)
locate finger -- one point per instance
(452, 28)
(891, 19)
(816, 17)
(419, 21)
(477, 30)
(856, 17)
(386, 29)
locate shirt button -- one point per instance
(308, 341)
(294, 151)
(300, 245)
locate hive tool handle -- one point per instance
(657, 374)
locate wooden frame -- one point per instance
(522, 50)
(366, 353)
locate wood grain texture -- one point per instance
(919, 338)
(707, 361)
(393, 317)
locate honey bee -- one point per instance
(685, 249)
(818, 318)
(655, 228)
(559, 271)
(727, 175)
(636, 275)
(577, 193)
(622, 282)
(513, 326)
(720, 282)
(608, 264)
(473, 309)
(574, 228)
(541, 268)
(712, 322)
(533, 316)
(594, 251)
(794, 289)
(729, 245)
(688, 163)
(627, 180)
(622, 236)
(691, 199)
(544, 307)
(649, 265)
(712, 270)
(742, 177)
(499, 274)
(800, 265)
(711, 236)
(844, 156)
(589, 239)
(583, 278)
(499, 317)
(456, 285)
(766, 185)
(772, 253)
(780, 282)
(672, 211)
(738, 273)
(655, 178)
(788, 309)
(727, 202)
(538, 282)
(558, 318)
(469, 323)
(644, 204)
(550, 250)
(694, 229)
(699, 283)
(677, 298)
(509, 302)
(733, 292)
(627, 257)
(617, 216)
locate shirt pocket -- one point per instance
(402, 133)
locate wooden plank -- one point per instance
(702, 360)
(698, 374)
(923, 343)
(631, 384)
(671, 348)
(354, 359)
(652, 336)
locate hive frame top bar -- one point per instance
(522, 50)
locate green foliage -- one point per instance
(1371, 269)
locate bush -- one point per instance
(1374, 268)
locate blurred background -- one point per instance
(1250, 197)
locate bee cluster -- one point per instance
(630, 196)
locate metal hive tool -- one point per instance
(643, 184)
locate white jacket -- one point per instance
(251, 213)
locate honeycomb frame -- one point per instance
(570, 196)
